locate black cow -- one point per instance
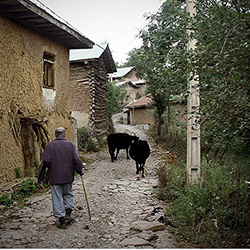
(119, 141)
(139, 152)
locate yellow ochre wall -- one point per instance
(21, 60)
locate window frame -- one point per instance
(48, 71)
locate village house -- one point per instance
(124, 74)
(140, 112)
(126, 77)
(35, 91)
(89, 70)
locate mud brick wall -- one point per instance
(131, 76)
(142, 116)
(22, 94)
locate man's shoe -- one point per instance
(62, 223)
(68, 215)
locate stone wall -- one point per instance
(22, 95)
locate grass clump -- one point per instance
(213, 212)
(25, 189)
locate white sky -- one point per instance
(114, 21)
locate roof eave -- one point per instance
(35, 18)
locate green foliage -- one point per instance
(137, 59)
(222, 60)
(36, 165)
(162, 58)
(94, 144)
(5, 199)
(83, 135)
(214, 211)
(28, 172)
(27, 188)
(173, 139)
(116, 98)
(172, 180)
(18, 172)
(89, 141)
(174, 119)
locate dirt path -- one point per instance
(124, 211)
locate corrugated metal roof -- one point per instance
(126, 82)
(133, 83)
(37, 17)
(138, 82)
(96, 52)
(121, 72)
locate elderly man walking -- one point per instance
(63, 161)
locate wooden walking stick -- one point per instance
(85, 194)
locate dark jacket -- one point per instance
(63, 161)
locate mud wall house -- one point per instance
(124, 74)
(35, 82)
(135, 87)
(140, 112)
(89, 70)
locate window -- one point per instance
(48, 70)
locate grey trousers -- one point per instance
(62, 198)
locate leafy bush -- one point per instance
(27, 188)
(212, 211)
(93, 145)
(82, 136)
(171, 181)
(5, 199)
(89, 141)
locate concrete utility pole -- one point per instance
(193, 106)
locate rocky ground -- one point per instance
(124, 211)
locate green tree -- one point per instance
(223, 62)
(116, 98)
(162, 58)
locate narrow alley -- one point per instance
(125, 213)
